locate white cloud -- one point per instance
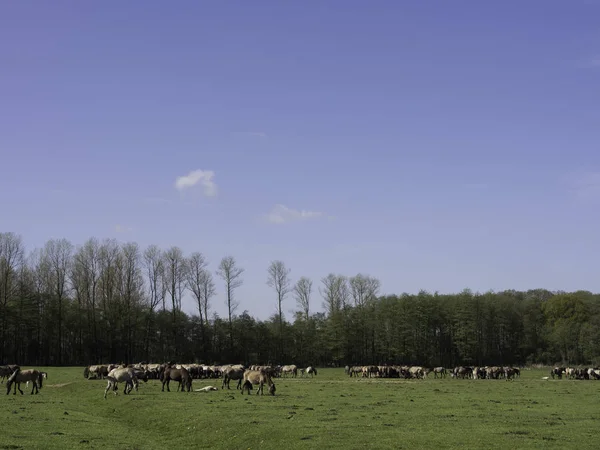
(282, 214)
(123, 229)
(203, 177)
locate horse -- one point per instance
(311, 370)
(7, 371)
(291, 369)
(260, 378)
(44, 376)
(181, 375)
(441, 371)
(232, 373)
(19, 376)
(121, 374)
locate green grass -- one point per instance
(329, 411)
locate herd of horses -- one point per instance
(420, 372)
(184, 374)
(260, 376)
(576, 373)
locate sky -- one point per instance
(434, 145)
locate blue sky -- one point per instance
(435, 145)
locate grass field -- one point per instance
(329, 411)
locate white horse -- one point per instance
(121, 374)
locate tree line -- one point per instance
(110, 302)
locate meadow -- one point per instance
(328, 411)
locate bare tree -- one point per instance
(155, 273)
(174, 262)
(302, 293)
(85, 276)
(335, 292)
(279, 279)
(110, 252)
(231, 274)
(58, 255)
(12, 255)
(208, 291)
(131, 288)
(199, 282)
(41, 289)
(195, 275)
(364, 289)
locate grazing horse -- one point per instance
(232, 373)
(310, 370)
(260, 378)
(441, 371)
(21, 376)
(291, 370)
(557, 372)
(121, 374)
(180, 375)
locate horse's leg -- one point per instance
(19, 386)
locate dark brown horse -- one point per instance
(7, 371)
(181, 375)
(22, 376)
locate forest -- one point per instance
(104, 301)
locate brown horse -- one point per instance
(180, 375)
(23, 376)
(232, 373)
(260, 378)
